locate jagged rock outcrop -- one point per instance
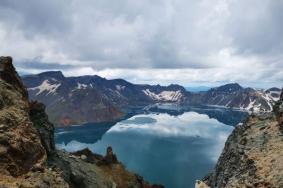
(253, 153)
(40, 121)
(110, 157)
(9, 75)
(27, 152)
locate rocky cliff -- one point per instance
(27, 153)
(253, 153)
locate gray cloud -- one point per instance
(35, 18)
(255, 27)
(219, 37)
(36, 63)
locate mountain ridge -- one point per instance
(109, 100)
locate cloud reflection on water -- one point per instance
(189, 124)
(150, 144)
(186, 125)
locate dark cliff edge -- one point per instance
(253, 154)
(28, 157)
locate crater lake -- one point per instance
(165, 144)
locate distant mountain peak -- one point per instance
(274, 89)
(176, 87)
(53, 74)
(230, 87)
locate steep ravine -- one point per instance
(253, 154)
(27, 153)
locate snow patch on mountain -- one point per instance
(120, 88)
(253, 106)
(170, 96)
(268, 97)
(46, 86)
(81, 86)
(274, 95)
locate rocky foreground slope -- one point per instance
(27, 153)
(253, 154)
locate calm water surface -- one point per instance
(172, 147)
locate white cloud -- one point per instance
(213, 40)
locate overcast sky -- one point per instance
(189, 42)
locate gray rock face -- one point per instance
(40, 121)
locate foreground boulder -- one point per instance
(27, 151)
(253, 154)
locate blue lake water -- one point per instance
(165, 145)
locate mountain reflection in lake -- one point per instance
(173, 150)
